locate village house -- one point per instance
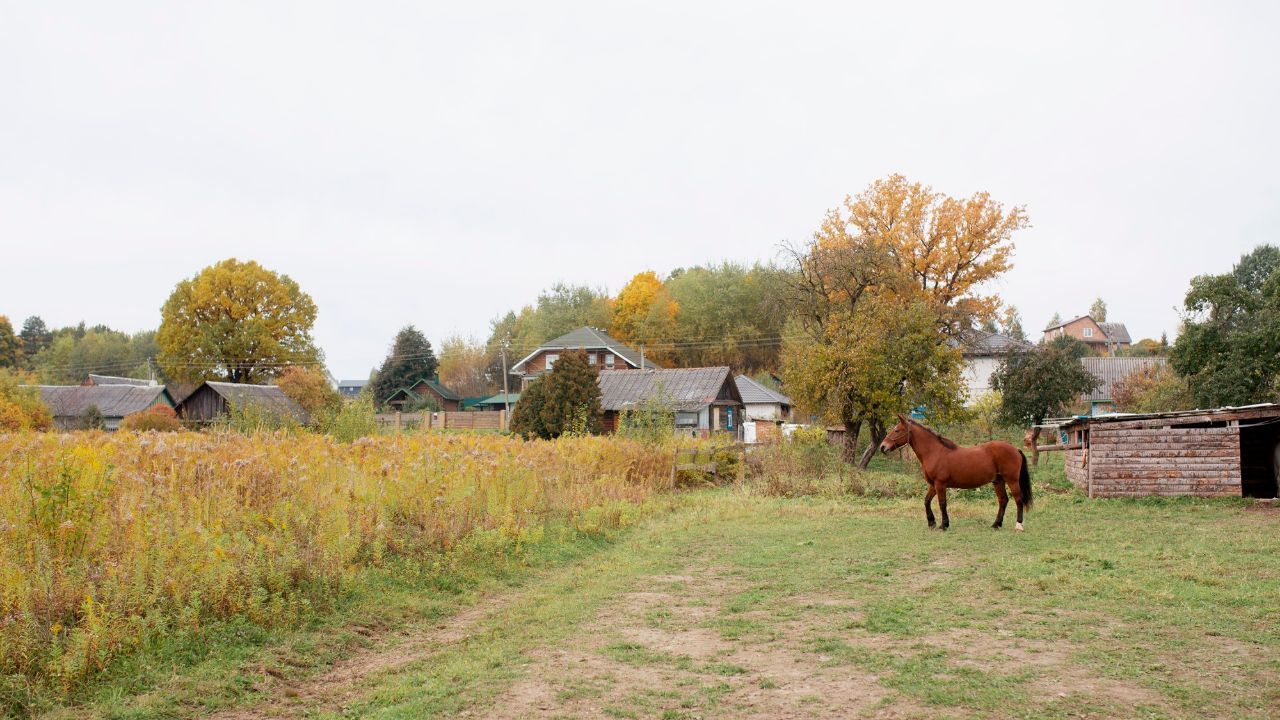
(982, 352)
(705, 400)
(761, 402)
(445, 399)
(351, 389)
(70, 404)
(603, 351)
(212, 401)
(1103, 338)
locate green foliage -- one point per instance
(92, 419)
(74, 352)
(526, 416)
(986, 411)
(236, 321)
(425, 402)
(249, 418)
(1229, 349)
(571, 397)
(731, 304)
(10, 345)
(411, 359)
(1098, 310)
(352, 420)
(1155, 388)
(1041, 382)
(35, 337)
(652, 420)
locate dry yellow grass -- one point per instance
(107, 540)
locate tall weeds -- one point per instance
(109, 541)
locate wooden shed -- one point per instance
(1206, 453)
(211, 400)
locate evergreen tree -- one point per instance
(35, 337)
(571, 401)
(411, 359)
(526, 416)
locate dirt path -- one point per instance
(331, 690)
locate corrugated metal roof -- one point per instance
(753, 392)
(113, 380)
(1116, 332)
(113, 401)
(685, 388)
(1109, 370)
(589, 338)
(268, 397)
(980, 343)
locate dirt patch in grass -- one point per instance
(685, 667)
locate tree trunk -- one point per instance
(877, 436)
(1035, 443)
(849, 453)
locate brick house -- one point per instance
(1103, 338)
(603, 351)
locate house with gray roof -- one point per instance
(70, 404)
(603, 351)
(705, 400)
(94, 379)
(1109, 371)
(351, 388)
(445, 399)
(761, 402)
(982, 352)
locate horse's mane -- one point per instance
(945, 442)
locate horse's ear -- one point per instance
(900, 417)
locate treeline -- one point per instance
(63, 356)
(717, 314)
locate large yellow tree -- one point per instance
(644, 313)
(890, 279)
(236, 321)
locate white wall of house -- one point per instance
(765, 411)
(977, 376)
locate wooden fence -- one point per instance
(477, 420)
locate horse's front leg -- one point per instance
(928, 506)
(942, 505)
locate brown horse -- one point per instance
(949, 465)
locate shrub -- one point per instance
(310, 389)
(1154, 388)
(248, 418)
(160, 418)
(20, 407)
(652, 420)
(352, 421)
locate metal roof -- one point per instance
(441, 390)
(1116, 332)
(113, 401)
(589, 338)
(753, 392)
(980, 343)
(1109, 370)
(684, 388)
(352, 383)
(113, 380)
(500, 399)
(267, 397)
(1213, 414)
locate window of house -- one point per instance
(1088, 332)
(687, 419)
(608, 360)
(591, 359)
(551, 359)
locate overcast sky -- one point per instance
(439, 165)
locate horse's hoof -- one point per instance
(942, 528)
(1018, 527)
(995, 526)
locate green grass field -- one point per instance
(728, 603)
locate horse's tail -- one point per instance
(1024, 482)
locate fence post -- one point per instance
(502, 420)
(398, 421)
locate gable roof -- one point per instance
(980, 343)
(266, 397)
(753, 392)
(113, 401)
(1072, 320)
(589, 338)
(113, 380)
(1115, 332)
(440, 390)
(685, 388)
(1110, 370)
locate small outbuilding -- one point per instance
(70, 404)
(705, 400)
(211, 401)
(1227, 452)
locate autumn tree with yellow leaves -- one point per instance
(889, 280)
(236, 321)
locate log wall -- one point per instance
(1133, 462)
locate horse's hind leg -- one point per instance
(1017, 500)
(1003, 496)
(928, 506)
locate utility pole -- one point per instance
(506, 392)
(641, 357)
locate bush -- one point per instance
(160, 418)
(250, 417)
(651, 421)
(1154, 388)
(20, 407)
(310, 389)
(352, 421)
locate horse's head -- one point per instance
(900, 435)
